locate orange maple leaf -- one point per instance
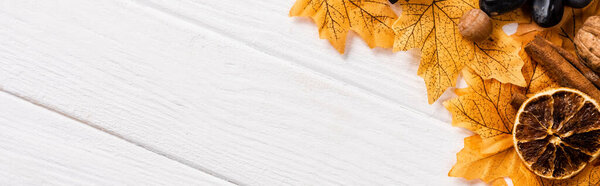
(431, 25)
(371, 19)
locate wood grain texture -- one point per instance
(234, 87)
(40, 147)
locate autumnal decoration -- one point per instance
(371, 19)
(557, 133)
(528, 126)
(494, 157)
(545, 13)
(562, 34)
(587, 41)
(559, 64)
(432, 26)
(484, 108)
(475, 25)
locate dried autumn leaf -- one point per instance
(484, 108)
(431, 25)
(472, 164)
(371, 19)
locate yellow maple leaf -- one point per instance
(431, 25)
(371, 19)
(484, 108)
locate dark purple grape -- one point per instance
(393, 1)
(495, 7)
(577, 3)
(547, 13)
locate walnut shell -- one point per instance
(587, 41)
(475, 25)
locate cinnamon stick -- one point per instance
(559, 68)
(574, 60)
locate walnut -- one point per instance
(587, 41)
(475, 25)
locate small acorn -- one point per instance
(475, 25)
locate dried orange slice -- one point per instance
(557, 132)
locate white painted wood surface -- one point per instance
(232, 88)
(41, 147)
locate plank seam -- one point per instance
(119, 136)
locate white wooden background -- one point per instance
(207, 92)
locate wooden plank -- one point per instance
(233, 105)
(40, 147)
(266, 27)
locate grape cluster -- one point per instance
(545, 13)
